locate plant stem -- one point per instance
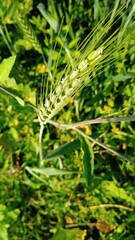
(104, 146)
(92, 121)
(111, 205)
(40, 162)
(95, 121)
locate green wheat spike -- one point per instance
(98, 50)
(27, 30)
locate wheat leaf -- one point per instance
(53, 23)
(88, 160)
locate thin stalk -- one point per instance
(14, 96)
(40, 162)
(6, 91)
(92, 121)
(104, 146)
(112, 206)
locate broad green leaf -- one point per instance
(64, 149)
(69, 234)
(88, 160)
(51, 171)
(5, 68)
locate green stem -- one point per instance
(6, 39)
(92, 121)
(40, 162)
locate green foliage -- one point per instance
(5, 68)
(54, 201)
(6, 220)
(88, 160)
(65, 234)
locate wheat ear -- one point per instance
(27, 30)
(97, 50)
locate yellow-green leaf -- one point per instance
(5, 68)
(69, 234)
(20, 101)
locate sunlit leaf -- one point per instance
(51, 171)
(68, 234)
(5, 68)
(20, 101)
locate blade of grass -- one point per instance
(64, 149)
(50, 171)
(88, 160)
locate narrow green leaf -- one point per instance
(65, 148)
(88, 160)
(56, 27)
(5, 68)
(51, 171)
(53, 23)
(121, 77)
(20, 101)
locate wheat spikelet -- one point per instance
(27, 31)
(96, 51)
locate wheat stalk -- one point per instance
(96, 51)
